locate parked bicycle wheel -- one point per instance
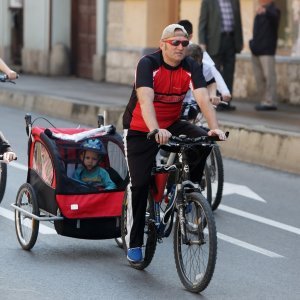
(27, 228)
(150, 234)
(196, 258)
(216, 170)
(3, 177)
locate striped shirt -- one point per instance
(227, 15)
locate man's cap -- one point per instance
(169, 31)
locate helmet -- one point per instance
(93, 145)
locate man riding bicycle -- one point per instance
(162, 81)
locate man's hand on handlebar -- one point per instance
(226, 97)
(216, 100)
(162, 136)
(9, 156)
(12, 75)
(217, 132)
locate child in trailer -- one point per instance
(90, 172)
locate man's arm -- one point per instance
(221, 85)
(202, 98)
(145, 97)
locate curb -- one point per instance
(263, 146)
(252, 144)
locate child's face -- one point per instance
(90, 159)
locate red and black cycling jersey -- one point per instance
(170, 85)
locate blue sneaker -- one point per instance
(135, 254)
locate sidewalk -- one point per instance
(266, 138)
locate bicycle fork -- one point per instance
(181, 214)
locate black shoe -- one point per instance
(225, 107)
(264, 107)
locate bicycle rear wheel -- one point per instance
(195, 260)
(3, 177)
(150, 233)
(206, 187)
(216, 170)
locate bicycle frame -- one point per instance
(195, 236)
(160, 175)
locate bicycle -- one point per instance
(3, 166)
(213, 179)
(195, 235)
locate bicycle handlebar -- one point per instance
(195, 104)
(203, 139)
(4, 78)
(187, 140)
(1, 157)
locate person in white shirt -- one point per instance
(209, 69)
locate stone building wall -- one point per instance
(127, 43)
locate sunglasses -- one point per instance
(177, 43)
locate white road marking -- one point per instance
(18, 166)
(243, 190)
(229, 188)
(47, 230)
(259, 219)
(248, 246)
(10, 215)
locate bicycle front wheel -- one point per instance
(27, 228)
(195, 255)
(216, 170)
(3, 177)
(150, 233)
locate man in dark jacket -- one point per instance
(263, 47)
(220, 34)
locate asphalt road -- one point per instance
(258, 244)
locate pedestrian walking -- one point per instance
(220, 34)
(263, 48)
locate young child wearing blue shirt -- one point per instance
(90, 172)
